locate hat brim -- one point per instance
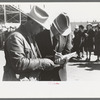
(67, 31)
(95, 25)
(89, 24)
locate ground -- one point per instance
(76, 71)
(84, 71)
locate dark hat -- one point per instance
(81, 26)
(40, 16)
(61, 22)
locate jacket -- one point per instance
(21, 63)
(47, 51)
(46, 47)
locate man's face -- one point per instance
(81, 29)
(34, 28)
(89, 27)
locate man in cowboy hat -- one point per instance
(23, 58)
(52, 41)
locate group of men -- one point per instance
(34, 51)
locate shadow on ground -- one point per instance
(90, 66)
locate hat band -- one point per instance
(37, 17)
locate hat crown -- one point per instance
(62, 22)
(39, 15)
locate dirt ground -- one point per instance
(76, 71)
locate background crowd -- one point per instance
(86, 41)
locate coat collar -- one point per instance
(23, 31)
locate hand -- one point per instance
(46, 64)
(59, 59)
(58, 55)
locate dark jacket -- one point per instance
(78, 41)
(20, 60)
(90, 39)
(44, 43)
(97, 43)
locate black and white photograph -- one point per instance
(54, 44)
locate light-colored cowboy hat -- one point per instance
(89, 24)
(40, 16)
(61, 23)
(76, 27)
(95, 25)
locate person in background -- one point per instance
(74, 42)
(76, 30)
(89, 42)
(97, 42)
(81, 48)
(79, 41)
(23, 58)
(51, 44)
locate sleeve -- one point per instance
(15, 51)
(68, 45)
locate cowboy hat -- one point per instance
(40, 16)
(61, 22)
(89, 24)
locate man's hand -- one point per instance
(46, 64)
(59, 59)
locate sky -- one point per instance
(77, 11)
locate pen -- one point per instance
(55, 51)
